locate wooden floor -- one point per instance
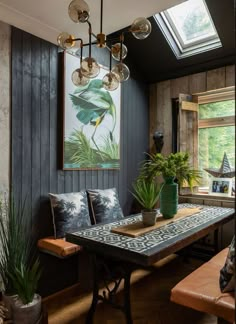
(150, 298)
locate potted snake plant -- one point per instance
(19, 269)
(147, 193)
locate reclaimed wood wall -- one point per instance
(162, 93)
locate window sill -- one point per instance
(208, 199)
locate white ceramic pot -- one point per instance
(27, 313)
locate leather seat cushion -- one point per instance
(201, 291)
(58, 247)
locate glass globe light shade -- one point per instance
(110, 81)
(78, 11)
(141, 28)
(78, 78)
(65, 40)
(115, 51)
(89, 67)
(122, 71)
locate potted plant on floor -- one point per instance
(147, 193)
(19, 269)
(175, 166)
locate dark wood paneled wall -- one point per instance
(36, 133)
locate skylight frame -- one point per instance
(183, 49)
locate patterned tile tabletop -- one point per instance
(166, 234)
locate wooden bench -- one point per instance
(58, 247)
(201, 291)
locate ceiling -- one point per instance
(47, 18)
(152, 59)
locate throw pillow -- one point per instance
(227, 273)
(70, 212)
(104, 205)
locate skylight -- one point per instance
(188, 28)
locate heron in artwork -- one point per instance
(93, 103)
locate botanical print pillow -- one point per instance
(70, 212)
(105, 205)
(227, 273)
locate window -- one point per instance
(188, 28)
(216, 133)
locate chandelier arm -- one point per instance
(110, 60)
(121, 46)
(90, 38)
(92, 43)
(94, 35)
(101, 16)
(81, 51)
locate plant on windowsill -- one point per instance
(175, 166)
(19, 270)
(147, 193)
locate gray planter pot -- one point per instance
(27, 314)
(9, 301)
(149, 217)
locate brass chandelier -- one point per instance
(79, 12)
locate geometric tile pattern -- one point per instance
(142, 244)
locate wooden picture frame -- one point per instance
(91, 121)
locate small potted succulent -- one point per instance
(147, 193)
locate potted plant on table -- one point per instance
(147, 193)
(19, 269)
(175, 166)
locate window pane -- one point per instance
(217, 109)
(192, 20)
(213, 142)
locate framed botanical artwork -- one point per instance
(220, 187)
(91, 123)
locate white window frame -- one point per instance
(173, 37)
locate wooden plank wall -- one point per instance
(36, 111)
(36, 130)
(161, 94)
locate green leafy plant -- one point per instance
(146, 193)
(16, 255)
(25, 280)
(174, 165)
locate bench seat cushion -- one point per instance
(58, 247)
(201, 291)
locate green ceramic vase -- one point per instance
(169, 198)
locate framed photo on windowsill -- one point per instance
(220, 187)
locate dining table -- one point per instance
(119, 247)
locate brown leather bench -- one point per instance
(58, 247)
(201, 291)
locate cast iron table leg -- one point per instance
(89, 317)
(108, 294)
(127, 308)
(216, 240)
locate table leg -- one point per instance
(216, 240)
(106, 272)
(89, 318)
(127, 308)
